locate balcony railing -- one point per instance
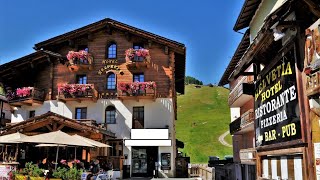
(240, 94)
(137, 59)
(234, 126)
(77, 92)
(247, 118)
(81, 60)
(313, 84)
(26, 96)
(143, 90)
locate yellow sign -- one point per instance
(110, 65)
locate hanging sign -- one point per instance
(276, 104)
(109, 65)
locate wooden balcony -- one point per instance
(81, 60)
(234, 126)
(137, 90)
(138, 64)
(313, 84)
(247, 118)
(79, 94)
(242, 92)
(34, 96)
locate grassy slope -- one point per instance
(203, 115)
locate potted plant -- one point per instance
(138, 53)
(30, 172)
(79, 59)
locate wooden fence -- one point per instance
(202, 171)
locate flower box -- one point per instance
(76, 90)
(81, 60)
(137, 88)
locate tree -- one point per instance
(192, 80)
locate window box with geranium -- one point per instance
(138, 58)
(137, 89)
(79, 60)
(25, 94)
(73, 91)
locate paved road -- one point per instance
(222, 141)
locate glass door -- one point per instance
(139, 162)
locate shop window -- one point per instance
(138, 118)
(110, 115)
(82, 79)
(81, 113)
(111, 81)
(111, 51)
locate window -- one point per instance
(116, 148)
(138, 77)
(32, 114)
(138, 118)
(111, 81)
(83, 47)
(81, 113)
(81, 79)
(112, 51)
(110, 115)
(137, 46)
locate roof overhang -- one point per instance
(261, 42)
(246, 14)
(241, 49)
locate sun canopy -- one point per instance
(50, 145)
(90, 141)
(12, 138)
(56, 137)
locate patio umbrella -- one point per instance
(56, 137)
(90, 141)
(11, 139)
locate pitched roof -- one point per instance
(59, 118)
(107, 23)
(241, 49)
(246, 14)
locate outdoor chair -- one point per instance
(109, 174)
(102, 177)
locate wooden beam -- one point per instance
(314, 8)
(71, 42)
(166, 50)
(54, 126)
(60, 127)
(50, 129)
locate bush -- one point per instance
(32, 170)
(68, 174)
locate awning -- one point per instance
(90, 141)
(138, 142)
(11, 138)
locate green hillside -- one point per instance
(203, 115)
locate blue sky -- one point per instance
(204, 26)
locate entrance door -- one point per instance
(143, 161)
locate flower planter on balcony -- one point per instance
(77, 92)
(81, 60)
(25, 96)
(137, 59)
(137, 90)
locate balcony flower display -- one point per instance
(143, 53)
(74, 89)
(81, 57)
(24, 91)
(136, 87)
(19, 93)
